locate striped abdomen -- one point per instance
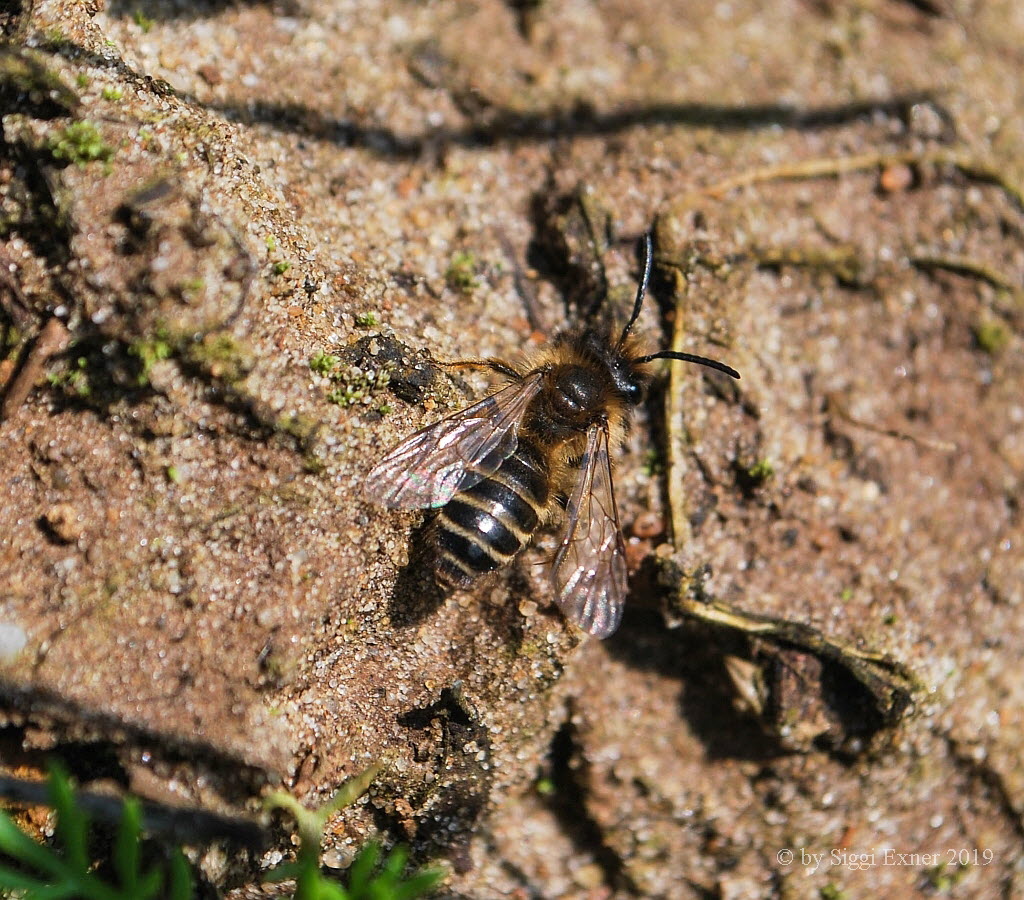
(483, 527)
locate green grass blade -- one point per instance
(331, 890)
(309, 882)
(72, 822)
(362, 868)
(350, 791)
(16, 881)
(417, 885)
(126, 847)
(66, 890)
(149, 887)
(394, 864)
(18, 845)
(181, 877)
(288, 871)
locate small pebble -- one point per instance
(896, 179)
(12, 641)
(648, 525)
(64, 522)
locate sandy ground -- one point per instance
(816, 691)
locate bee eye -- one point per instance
(633, 392)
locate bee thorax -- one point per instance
(578, 392)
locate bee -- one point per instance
(500, 469)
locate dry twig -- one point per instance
(53, 339)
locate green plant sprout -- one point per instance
(33, 871)
(369, 877)
(43, 873)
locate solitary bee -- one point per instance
(500, 468)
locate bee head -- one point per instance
(628, 375)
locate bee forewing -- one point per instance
(437, 462)
(589, 571)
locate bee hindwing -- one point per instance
(452, 455)
(589, 571)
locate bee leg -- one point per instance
(495, 365)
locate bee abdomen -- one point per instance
(484, 527)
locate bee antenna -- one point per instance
(641, 290)
(690, 357)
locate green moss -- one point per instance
(367, 320)
(74, 378)
(112, 94)
(82, 80)
(11, 342)
(991, 335)
(545, 787)
(222, 356)
(761, 471)
(280, 266)
(191, 288)
(173, 474)
(143, 21)
(356, 385)
(323, 363)
(313, 465)
(302, 428)
(149, 352)
(944, 878)
(461, 274)
(352, 384)
(653, 464)
(80, 143)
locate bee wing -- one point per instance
(437, 462)
(589, 571)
